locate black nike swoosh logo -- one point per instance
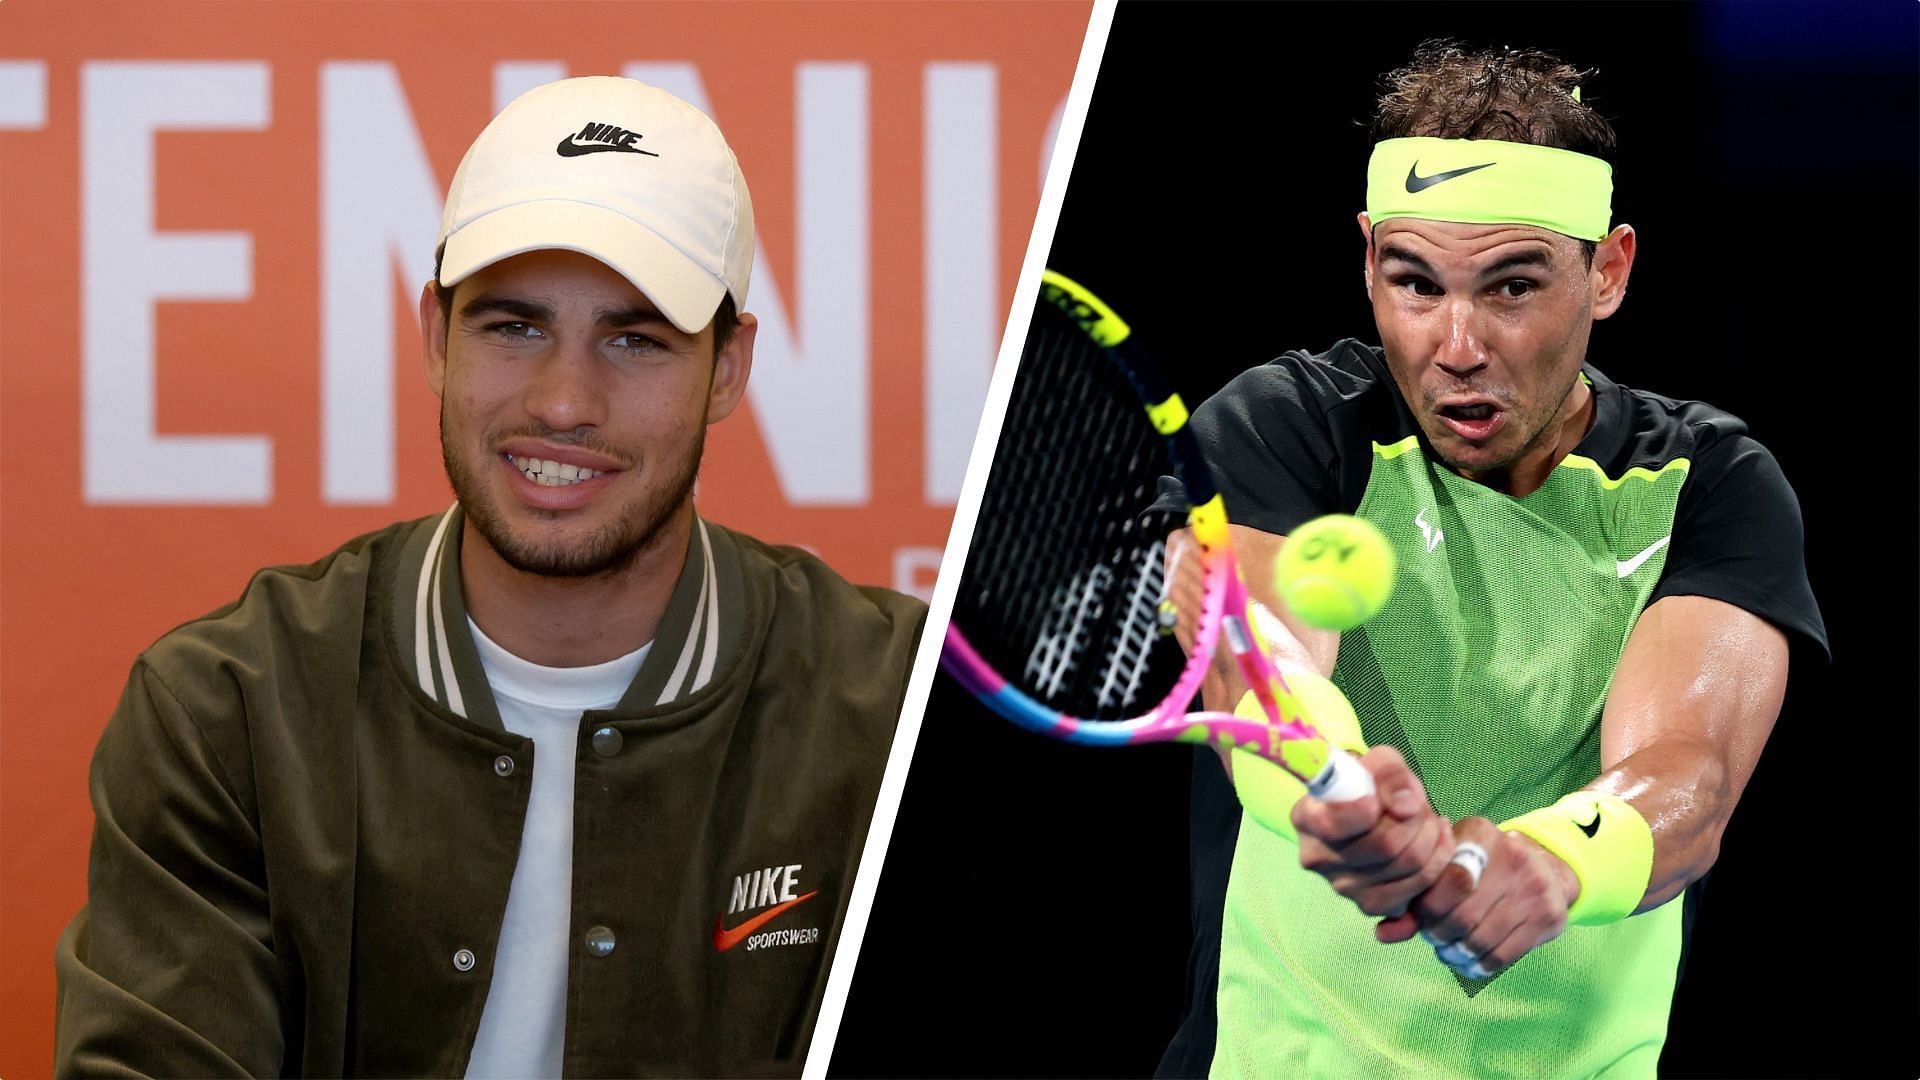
(1417, 183)
(569, 148)
(1593, 826)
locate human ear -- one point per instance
(731, 366)
(433, 338)
(1612, 264)
(1366, 233)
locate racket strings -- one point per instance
(1065, 580)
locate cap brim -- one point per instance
(680, 287)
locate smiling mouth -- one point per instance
(551, 473)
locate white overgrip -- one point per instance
(1343, 780)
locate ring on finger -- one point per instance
(1472, 858)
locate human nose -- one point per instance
(566, 391)
(1462, 353)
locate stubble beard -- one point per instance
(610, 550)
(1544, 430)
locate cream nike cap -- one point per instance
(615, 169)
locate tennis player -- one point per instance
(1584, 654)
(564, 779)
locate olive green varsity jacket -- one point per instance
(308, 815)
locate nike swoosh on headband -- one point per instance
(1417, 183)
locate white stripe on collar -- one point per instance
(432, 655)
(423, 599)
(711, 653)
(448, 678)
(709, 606)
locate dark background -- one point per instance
(1032, 918)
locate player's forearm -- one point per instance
(1224, 685)
(1686, 793)
(1291, 643)
(1698, 688)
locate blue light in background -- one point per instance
(1822, 91)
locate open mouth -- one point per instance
(1475, 422)
(551, 473)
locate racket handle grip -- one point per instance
(1343, 780)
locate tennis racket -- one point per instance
(1063, 623)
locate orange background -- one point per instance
(83, 588)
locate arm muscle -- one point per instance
(1697, 691)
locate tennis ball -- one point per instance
(1335, 572)
(1268, 791)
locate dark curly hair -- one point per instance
(1449, 91)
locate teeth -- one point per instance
(551, 473)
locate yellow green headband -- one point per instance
(1487, 182)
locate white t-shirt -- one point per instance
(523, 1027)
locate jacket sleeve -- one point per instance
(169, 968)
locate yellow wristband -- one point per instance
(1268, 791)
(1608, 845)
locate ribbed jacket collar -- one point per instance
(696, 643)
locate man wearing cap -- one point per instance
(566, 779)
(1587, 642)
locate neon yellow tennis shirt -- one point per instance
(1488, 668)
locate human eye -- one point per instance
(637, 343)
(1417, 285)
(513, 330)
(1516, 288)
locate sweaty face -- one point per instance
(1485, 328)
(573, 414)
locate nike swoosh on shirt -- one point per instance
(1628, 566)
(724, 939)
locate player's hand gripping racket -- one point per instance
(1063, 622)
